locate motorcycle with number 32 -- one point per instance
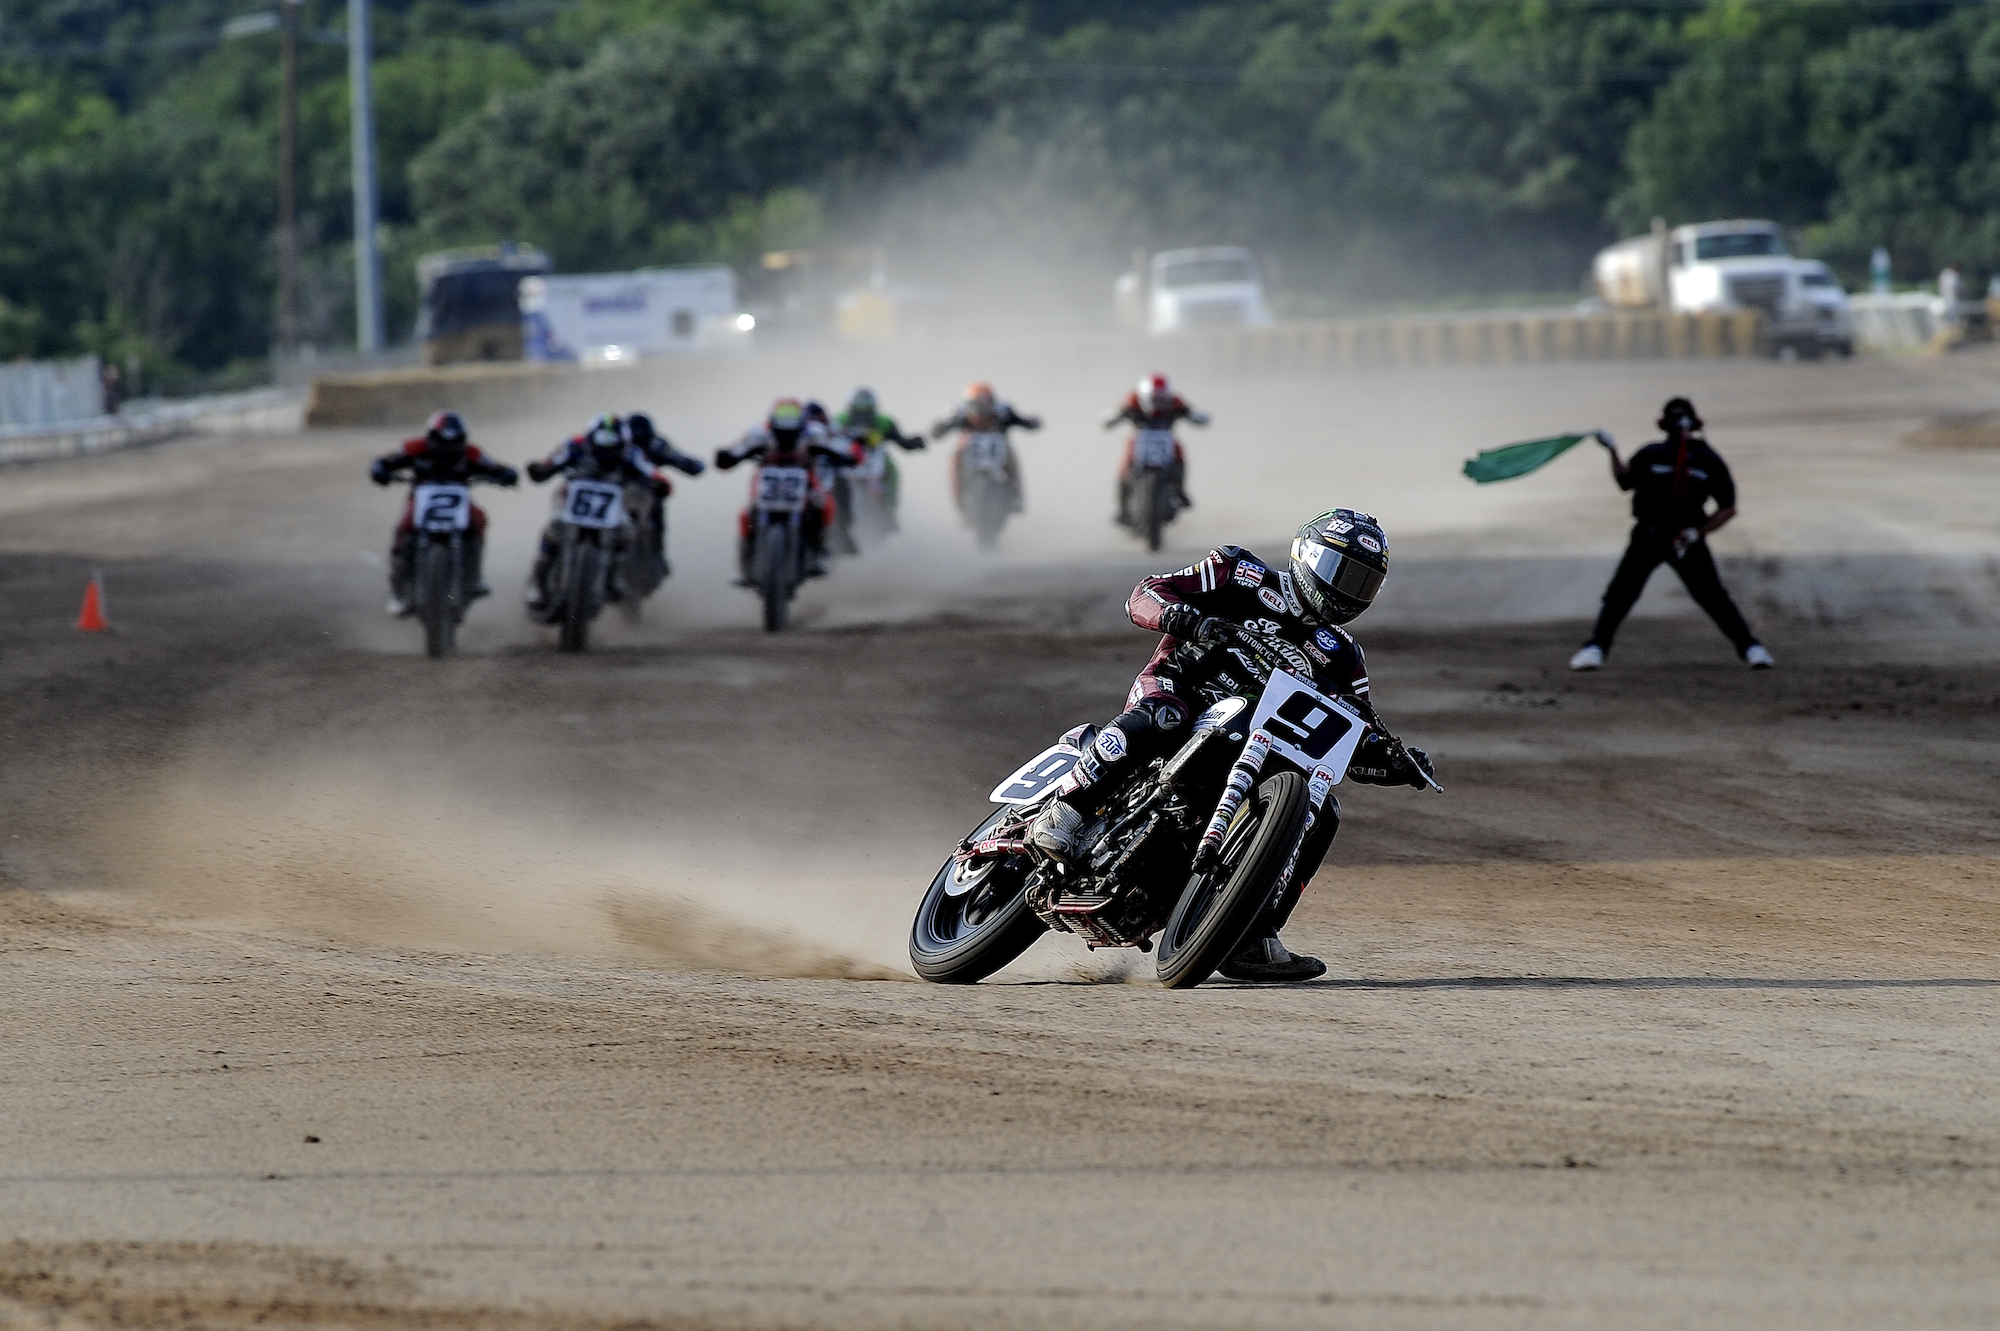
(1185, 853)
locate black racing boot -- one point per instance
(402, 570)
(538, 587)
(1261, 957)
(743, 563)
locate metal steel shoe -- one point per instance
(1265, 958)
(1055, 830)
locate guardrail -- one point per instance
(264, 411)
(1531, 337)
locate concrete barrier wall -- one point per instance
(264, 411)
(402, 398)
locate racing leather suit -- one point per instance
(809, 446)
(576, 458)
(659, 450)
(429, 465)
(879, 431)
(1131, 412)
(970, 421)
(1185, 676)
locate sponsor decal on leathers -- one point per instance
(1249, 573)
(1272, 601)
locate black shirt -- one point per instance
(1672, 483)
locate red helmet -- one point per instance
(1154, 394)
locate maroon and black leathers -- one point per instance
(1233, 585)
(430, 465)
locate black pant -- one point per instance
(1649, 548)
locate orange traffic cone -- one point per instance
(92, 620)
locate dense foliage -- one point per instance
(1381, 149)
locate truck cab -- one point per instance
(1725, 266)
(1218, 286)
(1746, 265)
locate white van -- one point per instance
(603, 318)
(1218, 286)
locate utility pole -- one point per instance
(288, 186)
(367, 263)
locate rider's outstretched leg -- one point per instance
(538, 577)
(1261, 956)
(1124, 515)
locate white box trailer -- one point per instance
(608, 317)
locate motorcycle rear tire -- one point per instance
(1217, 907)
(437, 597)
(580, 592)
(772, 567)
(967, 957)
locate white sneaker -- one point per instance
(1757, 658)
(1589, 657)
(1055, 830)
(398, 607)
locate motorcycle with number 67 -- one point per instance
(1188, 850)
(590, 516)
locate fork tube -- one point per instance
(1242, 775)
(1317, 791)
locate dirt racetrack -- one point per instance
(344, 988)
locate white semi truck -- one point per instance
(1178, 291)
(1724, 266)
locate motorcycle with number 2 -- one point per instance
(441, 515)
(1185, 852)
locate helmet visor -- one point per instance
(1349, 578)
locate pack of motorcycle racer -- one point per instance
(983, 413)
(1338, 561)
(1153, 406)
(604, 452)
(444, 455)
(788, 439)
(660, 451)
(869, 431)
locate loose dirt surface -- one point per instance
(344, 988)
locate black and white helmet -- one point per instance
(1338, 562)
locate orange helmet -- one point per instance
(979, 393)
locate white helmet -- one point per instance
(1154, 395)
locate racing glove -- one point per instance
(378, 472)
(1423, 762)
(1180, 621)
(724, 459)
(692, 466)
(1375, 764)
(508, 478)
(540, 471)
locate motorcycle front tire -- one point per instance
(436, 585)
(1218, 906)
(770, 567)
(580, 592)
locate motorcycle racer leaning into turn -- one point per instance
(443, 455)
(788, 439)
(1338, 562)
(982, 413)
(604, 452)
(1152, 407)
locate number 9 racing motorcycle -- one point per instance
(1188, 850)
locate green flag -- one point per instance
(1504, 464)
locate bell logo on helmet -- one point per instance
(1370, 544)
